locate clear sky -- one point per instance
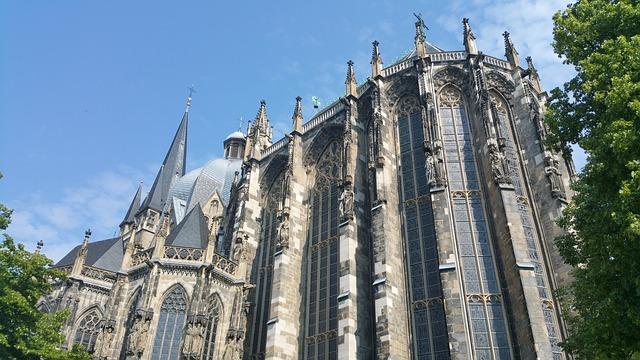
(91, 92)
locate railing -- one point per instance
(275, 147)
(224, 264)
(183, 253)
(497, 62)
(363, 88)
(449, 56)
(397, 67)
(98, 274)
(141, 256)
(65, 269)
(323, 116)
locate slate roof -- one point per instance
(172, 167)
(192, 232)
(129, 218)
(105, 254)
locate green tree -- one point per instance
(599, 109)
(25, 332)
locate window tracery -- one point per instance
(214, 313)
(88, 329)
(170, 327)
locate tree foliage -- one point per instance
(599, 109)
(25, 332)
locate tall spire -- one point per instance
(376, 60)
(350, 82)
(172, 167)
(261, 117)
(469, 40)
(420, 38)
(297, 115)
(259, 134)
(129, 218)
(510, 50)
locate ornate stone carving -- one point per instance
(139, 333)
(500, 83)
(193, 340)
(499, 167)
(553, 174)
(283, 232)
(347, 202)
(449, 75)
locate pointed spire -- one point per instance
(261, 117)
(533, 74)
(297, 116)
(129, 218)
(420, 38)
(376, 60)
(510, 50)
(259, 134)
(350, 82)
(469, 40)
(172, 168)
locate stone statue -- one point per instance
(431, 170)
(283, 232)
(238, 250)
(193, 340)
(232, 351)
(551, 170)
(347, 202)
(498, 166)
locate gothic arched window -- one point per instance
(486, 309)
(430, 339)
(322, 258)
(500, 112)
(87, 329)
(214, 312)
(166, 344)
(262, 273)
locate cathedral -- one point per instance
(412, 218)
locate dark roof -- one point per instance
(105, 254)
(191, 232)
(173, 164)
(133, 208)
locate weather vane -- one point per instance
(192, 90)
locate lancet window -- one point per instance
(430, 339)
(501, 117)
(166, 344)
(87, 330)
(485, 305)
(214, 312)
(321, 325)
(262, 275)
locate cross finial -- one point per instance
(192, 90)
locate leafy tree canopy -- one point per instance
(25, 332)
(599, 109)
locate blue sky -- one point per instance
(91, 92)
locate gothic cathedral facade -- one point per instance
(412, 218)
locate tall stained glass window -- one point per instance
(430, 339)
(87, 330)
(166, 344)
(214, 311)
(321, 325)
(530, 232)
(485, 305)
(262, 273)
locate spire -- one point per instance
(533, 74)
(351, 87)
(259, 134)
(420, 38)
(261, 117)
(510, 51)
(172, 167)
(376, 60)
(469, 40)
(129, 218)
(297, 115)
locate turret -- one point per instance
(510, 51)
(350, 82)
(469, 40)
(376, 60)
(234, 145)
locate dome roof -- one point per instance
(197, 186)
(235, 135)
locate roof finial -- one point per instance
(191, 91)
(533, 74)
(420, 39)
(87, 236)
(350, 82)
(297, 115)
(510, 50)
(469, 39)
(376, 60)
(39, 246)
